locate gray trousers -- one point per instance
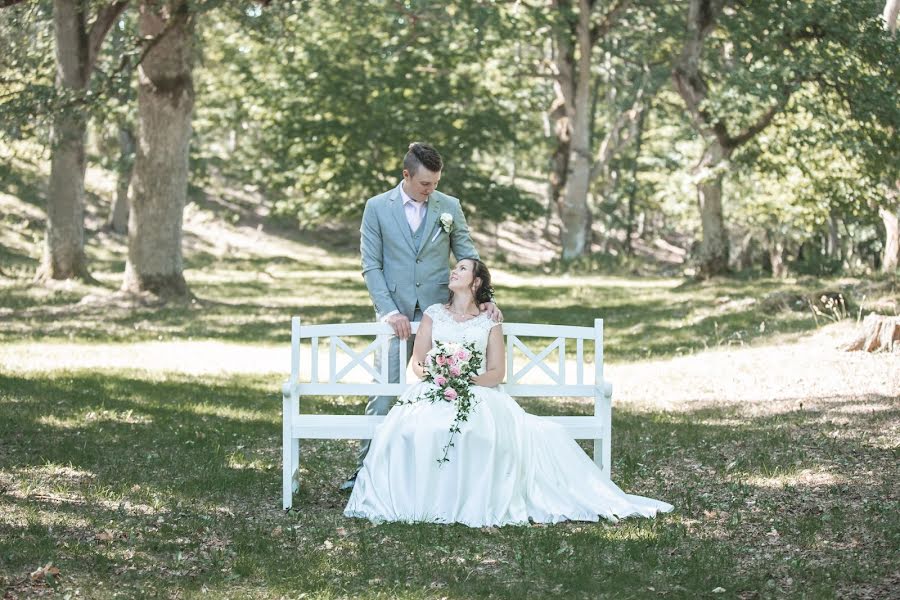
(380, 405)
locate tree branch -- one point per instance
(761, 123)
(151, 41)
(106, 17)
(686, 74)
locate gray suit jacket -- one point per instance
(397, 275)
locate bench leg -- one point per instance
(291, 471)
(295, 464)
(603, 446)
(290, 456)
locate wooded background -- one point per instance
(755, 135)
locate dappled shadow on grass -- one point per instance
(20, 297)
(184, 474)
(14, 262)
(776, 501)
(125, 422)
(110, 321)
(27, 185)
(651, 323)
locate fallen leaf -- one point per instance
(48, 571)
(105, 536)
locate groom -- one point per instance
(407, 235)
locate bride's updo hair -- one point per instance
(484, 293)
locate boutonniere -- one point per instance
(447, 222)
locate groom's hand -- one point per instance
(492, 311)
(400, 324)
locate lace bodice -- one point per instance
(445, 328)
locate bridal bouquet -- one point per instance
(450, 367)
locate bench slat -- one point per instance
(340, 427)
(520, 329)
(525, 390)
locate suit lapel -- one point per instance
(431, 215)
(400, 216)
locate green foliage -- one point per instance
(323, 124)
(310, 106)
(844, 66)
(27, 69)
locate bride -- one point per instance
(505, 466)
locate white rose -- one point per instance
(447, 222)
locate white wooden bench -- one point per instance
(561, 378)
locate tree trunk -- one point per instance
(891, 9)
(713, 256)
(118, 215)
(165, 103)
(573, 210)
(638, 135)
(63, 254)
(561, 113)
(891, 256)
(744, 258)
(572, 161)
(690, 83)
(559, 162)
(776, 256)
(76, 49)
(890, 214)
(834, 249)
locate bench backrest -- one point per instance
(328, 369)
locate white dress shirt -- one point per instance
(415, 211)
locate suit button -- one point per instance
(418, 284)
(418, 260)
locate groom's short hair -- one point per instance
(422, 155)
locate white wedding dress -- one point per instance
(506, 466)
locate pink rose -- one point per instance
(455, 371)
(441, 360)
(450, 394)
(462, 354)
(440, 381)
(451, 360)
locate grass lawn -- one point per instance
(169, 486)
